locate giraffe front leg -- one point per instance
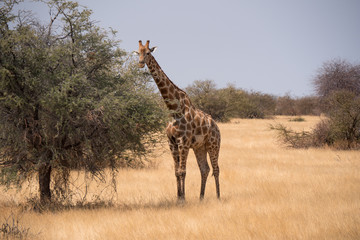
(176, 156)
(181, 173)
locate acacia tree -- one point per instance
(335, 75)
(67, 101)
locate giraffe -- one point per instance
(189, 128)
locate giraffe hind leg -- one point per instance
(214, 155)
(204, 168)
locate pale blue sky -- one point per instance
(269, 46)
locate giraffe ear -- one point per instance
(153, 49)
(135, 53)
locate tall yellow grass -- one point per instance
(268, 192)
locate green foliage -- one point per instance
(308, 105)
(231, 102)
(287, 105)
(263, 105)
(67, 97)
(344, 118)
(206, 97)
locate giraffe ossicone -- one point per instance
(190, 127)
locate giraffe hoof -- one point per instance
(181, 201)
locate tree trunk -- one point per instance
(44, 183)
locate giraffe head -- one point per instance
(143, 52)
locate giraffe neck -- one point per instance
(175, 99)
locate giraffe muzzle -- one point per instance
(141, 64)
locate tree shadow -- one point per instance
(162, 204)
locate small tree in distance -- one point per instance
(338, 87)
(337, 75)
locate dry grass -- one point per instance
(268, 192)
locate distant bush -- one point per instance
(287, 105)
(297, 119)
(308, 105)
(263, 105)
(205, 96)
(242, 104)
(230, 102)
(321, 134)
(344, 119)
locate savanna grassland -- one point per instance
(268, 192)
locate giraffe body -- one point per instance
(190, 127)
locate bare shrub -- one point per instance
(321, 134)
(12, 229)
(326, 133)
(285, 105)
(292, 138)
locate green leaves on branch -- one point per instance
(67, 97)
